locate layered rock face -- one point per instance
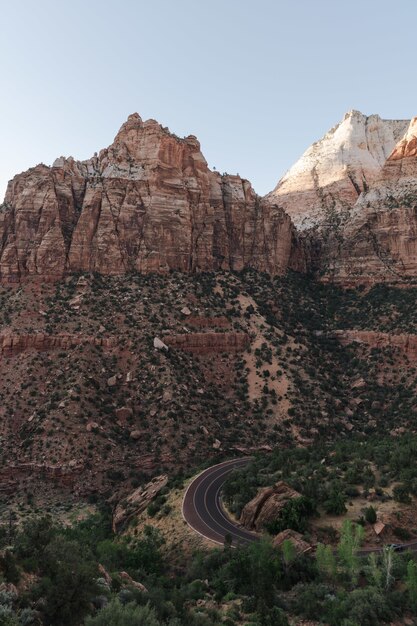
(333, 172)
(405, 343)
(13, 343)
(379, 240)
(149, 202)
(209, 342)
(353, 195)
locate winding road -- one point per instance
(203, 511)
(202, 507)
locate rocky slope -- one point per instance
(149, 202)
(89, 403)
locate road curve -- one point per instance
(203, 511)
(202, 508)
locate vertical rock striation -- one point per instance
(353, 196)
(379, 241)
(330, 176)
(148, 203)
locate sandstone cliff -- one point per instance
(149, 202)
(406, 344)
(209, 342)
(333, 172)
(378, 241)
(353, 195)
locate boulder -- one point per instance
(301, 546)
(123, 413)
(137, 502)
(267, 505)
(159, 345)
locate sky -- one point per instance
(256, 81)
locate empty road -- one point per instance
(203, 511)
(202, 507)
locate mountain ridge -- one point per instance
(150, 203)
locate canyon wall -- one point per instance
(147, 203)
(353, 196)
(332, 173)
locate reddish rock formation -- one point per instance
(407, 344)
(148, 203)
(137, 501)
(267, 505)
(296, 539)
(203, 343)
(13, 343)
(208, 322)
(62, 474)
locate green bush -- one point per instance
(116, 614)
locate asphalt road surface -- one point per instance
(202, 507)
(203, 510)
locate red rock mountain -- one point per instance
(149, 202)
(378, 240)
(353, 196)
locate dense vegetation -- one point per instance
(330, 475)
(61, 583)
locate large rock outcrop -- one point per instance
(353, 195)
(330, 176)
(149, 202)
(209, 342)
(137, 501)
(379, 240)
(406, 344)
(14, 343)
(267, 505)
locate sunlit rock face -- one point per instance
(353, 197)
(333, 172)
(379, 240)
(148, 203)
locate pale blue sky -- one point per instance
(256, 81)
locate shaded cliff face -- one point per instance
(147, 203)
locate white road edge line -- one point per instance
(189, 486)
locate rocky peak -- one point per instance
(148, 202)
(335, 170)
(407, 146)
(376, 240)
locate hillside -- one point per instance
(90, 405)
